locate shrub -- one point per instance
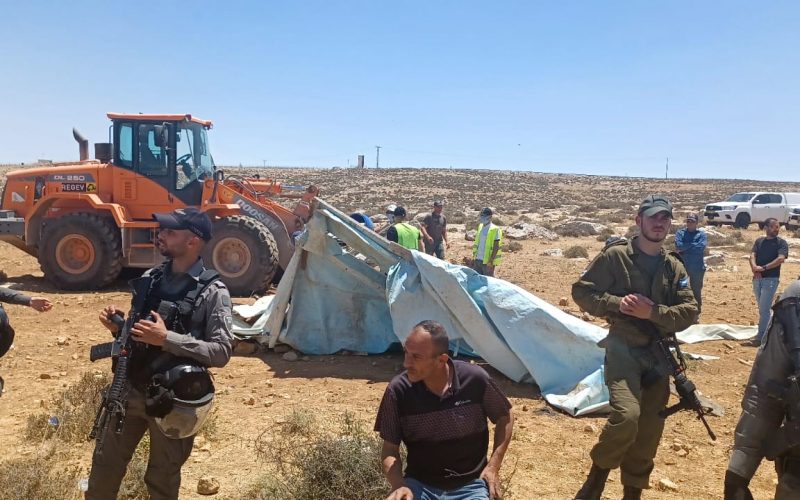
(576, 251)
(605, 234)
(73, 412)
(512, 246)
(311, 463)
(38, 477)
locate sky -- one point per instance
(608, 88)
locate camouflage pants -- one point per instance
(630, 438)
(167, 456)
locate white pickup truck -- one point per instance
(742, 209)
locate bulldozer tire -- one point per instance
(81, 251)
(244, 253)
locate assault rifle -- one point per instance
(687, 391)
(115, 401)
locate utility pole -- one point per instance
(378, 157)
(666, 171)
(264, 162)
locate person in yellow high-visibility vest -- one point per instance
(486, 251)
(404, 233)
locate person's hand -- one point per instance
(429, 239)
(105, 318)
(150, 332)
(489, 268)
(758, 269)
(401, 493)
(636, 305)
(492, 479)
(41, 304)
(756, 275)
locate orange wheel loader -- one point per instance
(86, 221)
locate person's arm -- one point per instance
(393, 471)
(391, 234)
(14, 297)
(444, 233)
(214, 350)
(503, 430)
(423, 228)
(700, 241)
(681, 315)
(680, 244)
(421, 243)
(591, 293)
(783, 252)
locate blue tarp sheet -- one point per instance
(348, 288)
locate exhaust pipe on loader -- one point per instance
(83, 144)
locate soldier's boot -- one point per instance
(592, 489)
(631, 493)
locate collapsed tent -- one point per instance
(347, 288)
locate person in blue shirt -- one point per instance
(691, 243)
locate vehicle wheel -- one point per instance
(714, 223)
(80, 251)
(742, 221)
(244, 253)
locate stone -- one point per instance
(665, 484)
(681, 453)
(526, 230)
(590, 429)
(579, 228)
(249, 401)
(282, 348)
(45, 376)
(290, 356)
(586, 317)
(553, 252)
(62, 341)
(563, 301)
(207, 485)
(470, 235)
(715, 259)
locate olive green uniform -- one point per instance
(763, 413)
(638, 384)
(210, 347)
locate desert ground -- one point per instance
(549, 451)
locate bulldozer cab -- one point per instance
(172, 153)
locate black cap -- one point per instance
(399, 212)
(487, 211)
(655, 204)
(188, 218)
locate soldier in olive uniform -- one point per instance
(769, 426)
(639, 288)
(199, 338)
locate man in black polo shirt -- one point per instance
(766, 257)
(438, 408)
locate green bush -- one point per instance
(38, 477)
(309, 463)
(74, 409)
(575, 252)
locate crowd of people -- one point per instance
(438, 407)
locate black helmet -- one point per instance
(180, 399)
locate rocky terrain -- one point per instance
(549, 452)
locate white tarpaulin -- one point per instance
(348, 288)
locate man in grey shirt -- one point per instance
(434, 231)
(195, 339)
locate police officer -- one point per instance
(641, 289)
(198, 336)
(768, 426)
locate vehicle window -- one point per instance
(125, 146)
(152, 159)
(760, 199)
(184, 156)
(775, 198)
(741, 197)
